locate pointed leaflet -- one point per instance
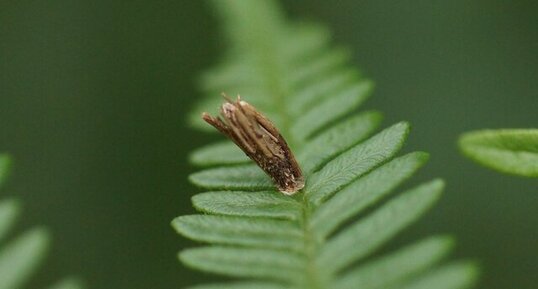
(330, 110)
(20, 257)
(9, 210)
(221, 153)
(68, 283)
(241, 285)
(319, 66)
(245, 262)
(459, 275)
(245, 177)
(364, 192)
(248, 204)
(311, 94)
(4, 166)
(355, 162)
(305, 40)
(337, 139)
(397, 266)
(263, 233)
(364, 236)
(512, 151)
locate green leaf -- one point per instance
(19, 258)
(356, 162)
(320, 237)
(245, 262)
(512, 151)
(364, 192)
(453, 276)
(68, 283)
(5, 162)
(264, 233)
(311, 94)
(241, 285)
(330, 110)
(320, 65)
(230, 75)
(363, 237)
(337, 139)
(222, 153)
(398, 266)
(246, 177)
(248, 204)
(9, 210)
(306, 39)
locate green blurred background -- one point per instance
(93, 97)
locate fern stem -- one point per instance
(313, 279)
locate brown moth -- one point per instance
(261, 141)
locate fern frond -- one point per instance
(20, 257)
(326, 235)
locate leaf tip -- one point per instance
(463, 142)
(446, 240)
(175, 222)
(423, 157)
(470, 269)
(375, 115)
(12, 203)
(40, 233)
(5, 165)
(509, 151)
(402, 128)
(182, 256)
(196, 179)
(72, 282)
(405, 126)
(437, 185)
(197, 200)
(369, 85)
(36, 241)
(181, 223)
(5, 159)
(188, 257)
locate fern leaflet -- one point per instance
(314, 239)
(510, 151)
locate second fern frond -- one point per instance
(20, 257)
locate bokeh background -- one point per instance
(93, 97)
